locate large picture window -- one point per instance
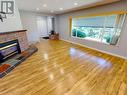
(105, 29)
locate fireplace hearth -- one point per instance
(9, 49)
(15, 60)
(14, 49)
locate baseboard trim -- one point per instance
(123, 57)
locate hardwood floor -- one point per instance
(61, 68)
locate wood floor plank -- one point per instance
(61, 68)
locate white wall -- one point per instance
(29, 22)
(63, 28)
(12, 22)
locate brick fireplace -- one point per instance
(13, 35)
(14, 49)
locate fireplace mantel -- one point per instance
(9, 32)
(13, 35)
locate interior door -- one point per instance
(42, 26)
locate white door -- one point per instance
(42, 26)
(49, 23)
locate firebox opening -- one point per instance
(9, 49)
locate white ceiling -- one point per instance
(53, 6)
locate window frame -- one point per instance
(97, 15)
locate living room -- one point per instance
(59, 48)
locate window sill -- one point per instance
(90, 39)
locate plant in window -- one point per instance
(74, 32)
(91, 33)
(81, 34)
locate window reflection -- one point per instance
(46, 56)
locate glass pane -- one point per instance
(113, 26)
(88, 28)
(108, 35)
(110, 28)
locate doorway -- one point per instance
(45, 25)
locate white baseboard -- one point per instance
(123, 57)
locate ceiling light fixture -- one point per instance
(37, 9)
(61, 8)
(52, 11)
(75, 4)
(45, 5)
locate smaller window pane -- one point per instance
(109, 28)
(108, 35)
